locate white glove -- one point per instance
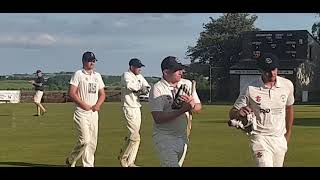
(144, 90)
(247, 124)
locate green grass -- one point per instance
(27, 140)
(15, 84)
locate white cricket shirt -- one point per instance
(130, 83)
(269, 105)
(161, 98)
(88, 86)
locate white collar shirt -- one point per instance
(268, 104)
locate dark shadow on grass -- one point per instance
(26, 164)
(212, 121)
(4, 115)
(306, 122)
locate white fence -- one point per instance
(9, 96)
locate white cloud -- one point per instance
(36, 41)
(45, 40)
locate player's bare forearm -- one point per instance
(102, 97)
(78, 101)
(73, 93)
(197, 108)
(289, 122)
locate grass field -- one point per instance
(27, 140)
(15, 84)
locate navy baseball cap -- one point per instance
(268, 62)
(89, 57)
(38, 71)
(135, 62)
(171, 63)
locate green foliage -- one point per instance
(202, 82)
(152, 80)
(315, 29)
(59, 82)
(111, 80)
(219, 42)
(219, 46)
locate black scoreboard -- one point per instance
(287, 45)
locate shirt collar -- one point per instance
(85, 72)
(131, 72)
(168, 84)
(277, 84)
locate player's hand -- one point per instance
(32, 81)
(87, 107)
(144, 90)
(95, 108)
(244, 111)
(287, 136)
(187, 103)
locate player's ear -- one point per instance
(165, 71)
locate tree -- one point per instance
(58, 82)
(316, 29)
(219, 46)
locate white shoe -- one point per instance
(68, 164)
(123, 163)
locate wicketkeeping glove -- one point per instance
(177, 102)
(247, 123)
(144, 90)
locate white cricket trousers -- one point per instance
(86, 123)
(133, 121)
(268, 151)
(38, 96)
(170, 149)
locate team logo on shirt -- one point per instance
(259, 154)
(283, 98)
(258, 98)
(87, 79)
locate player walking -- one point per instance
(87, 91)
(133, 84)
(271, 100)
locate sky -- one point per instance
(55, 42)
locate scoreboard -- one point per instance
(287, 45)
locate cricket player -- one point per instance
(38, 85)
(271, 99)
(133, 84)
(170, 122)
(87, 91)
